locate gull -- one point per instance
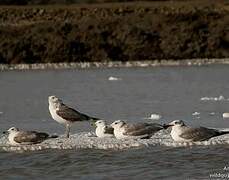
(66, 115)
(19, 137)
(182, 133)
(135, 131)
(102, 130)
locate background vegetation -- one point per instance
(114, 31)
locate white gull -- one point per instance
(123, 130)
(182, 133)
(103, 130)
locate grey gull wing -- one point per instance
(141, 129)
(201, 133)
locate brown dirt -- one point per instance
(114, 31)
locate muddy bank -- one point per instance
(114, 32)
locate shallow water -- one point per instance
(153, 163)
(173, 92)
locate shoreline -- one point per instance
(114, 64)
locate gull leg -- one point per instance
(67, 131)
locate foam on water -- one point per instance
(154, 117)
(111, 78)
(220, 98)
(89, 140)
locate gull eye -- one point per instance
(116, 122)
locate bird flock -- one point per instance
(119, 129)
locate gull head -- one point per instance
(118, 124)
(177, 123)
(54, 100)
(11, 130)
(100, 123)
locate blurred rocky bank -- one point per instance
(107, 32)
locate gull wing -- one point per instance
(139, 129)
(199, 134)
(30, 137)
(71, 114)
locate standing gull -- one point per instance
(64, 114)
(102, 130)
(18, 137)
(138, 130)
(182, 133)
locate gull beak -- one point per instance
(4, 132)
(166, 126)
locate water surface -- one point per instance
(173, 92)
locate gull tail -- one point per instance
(223, 132)
(85, 117)
(93, 120)
(146, 137)
(53, 136)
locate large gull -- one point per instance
(182, 133)
(19, 137)
(66, 115)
